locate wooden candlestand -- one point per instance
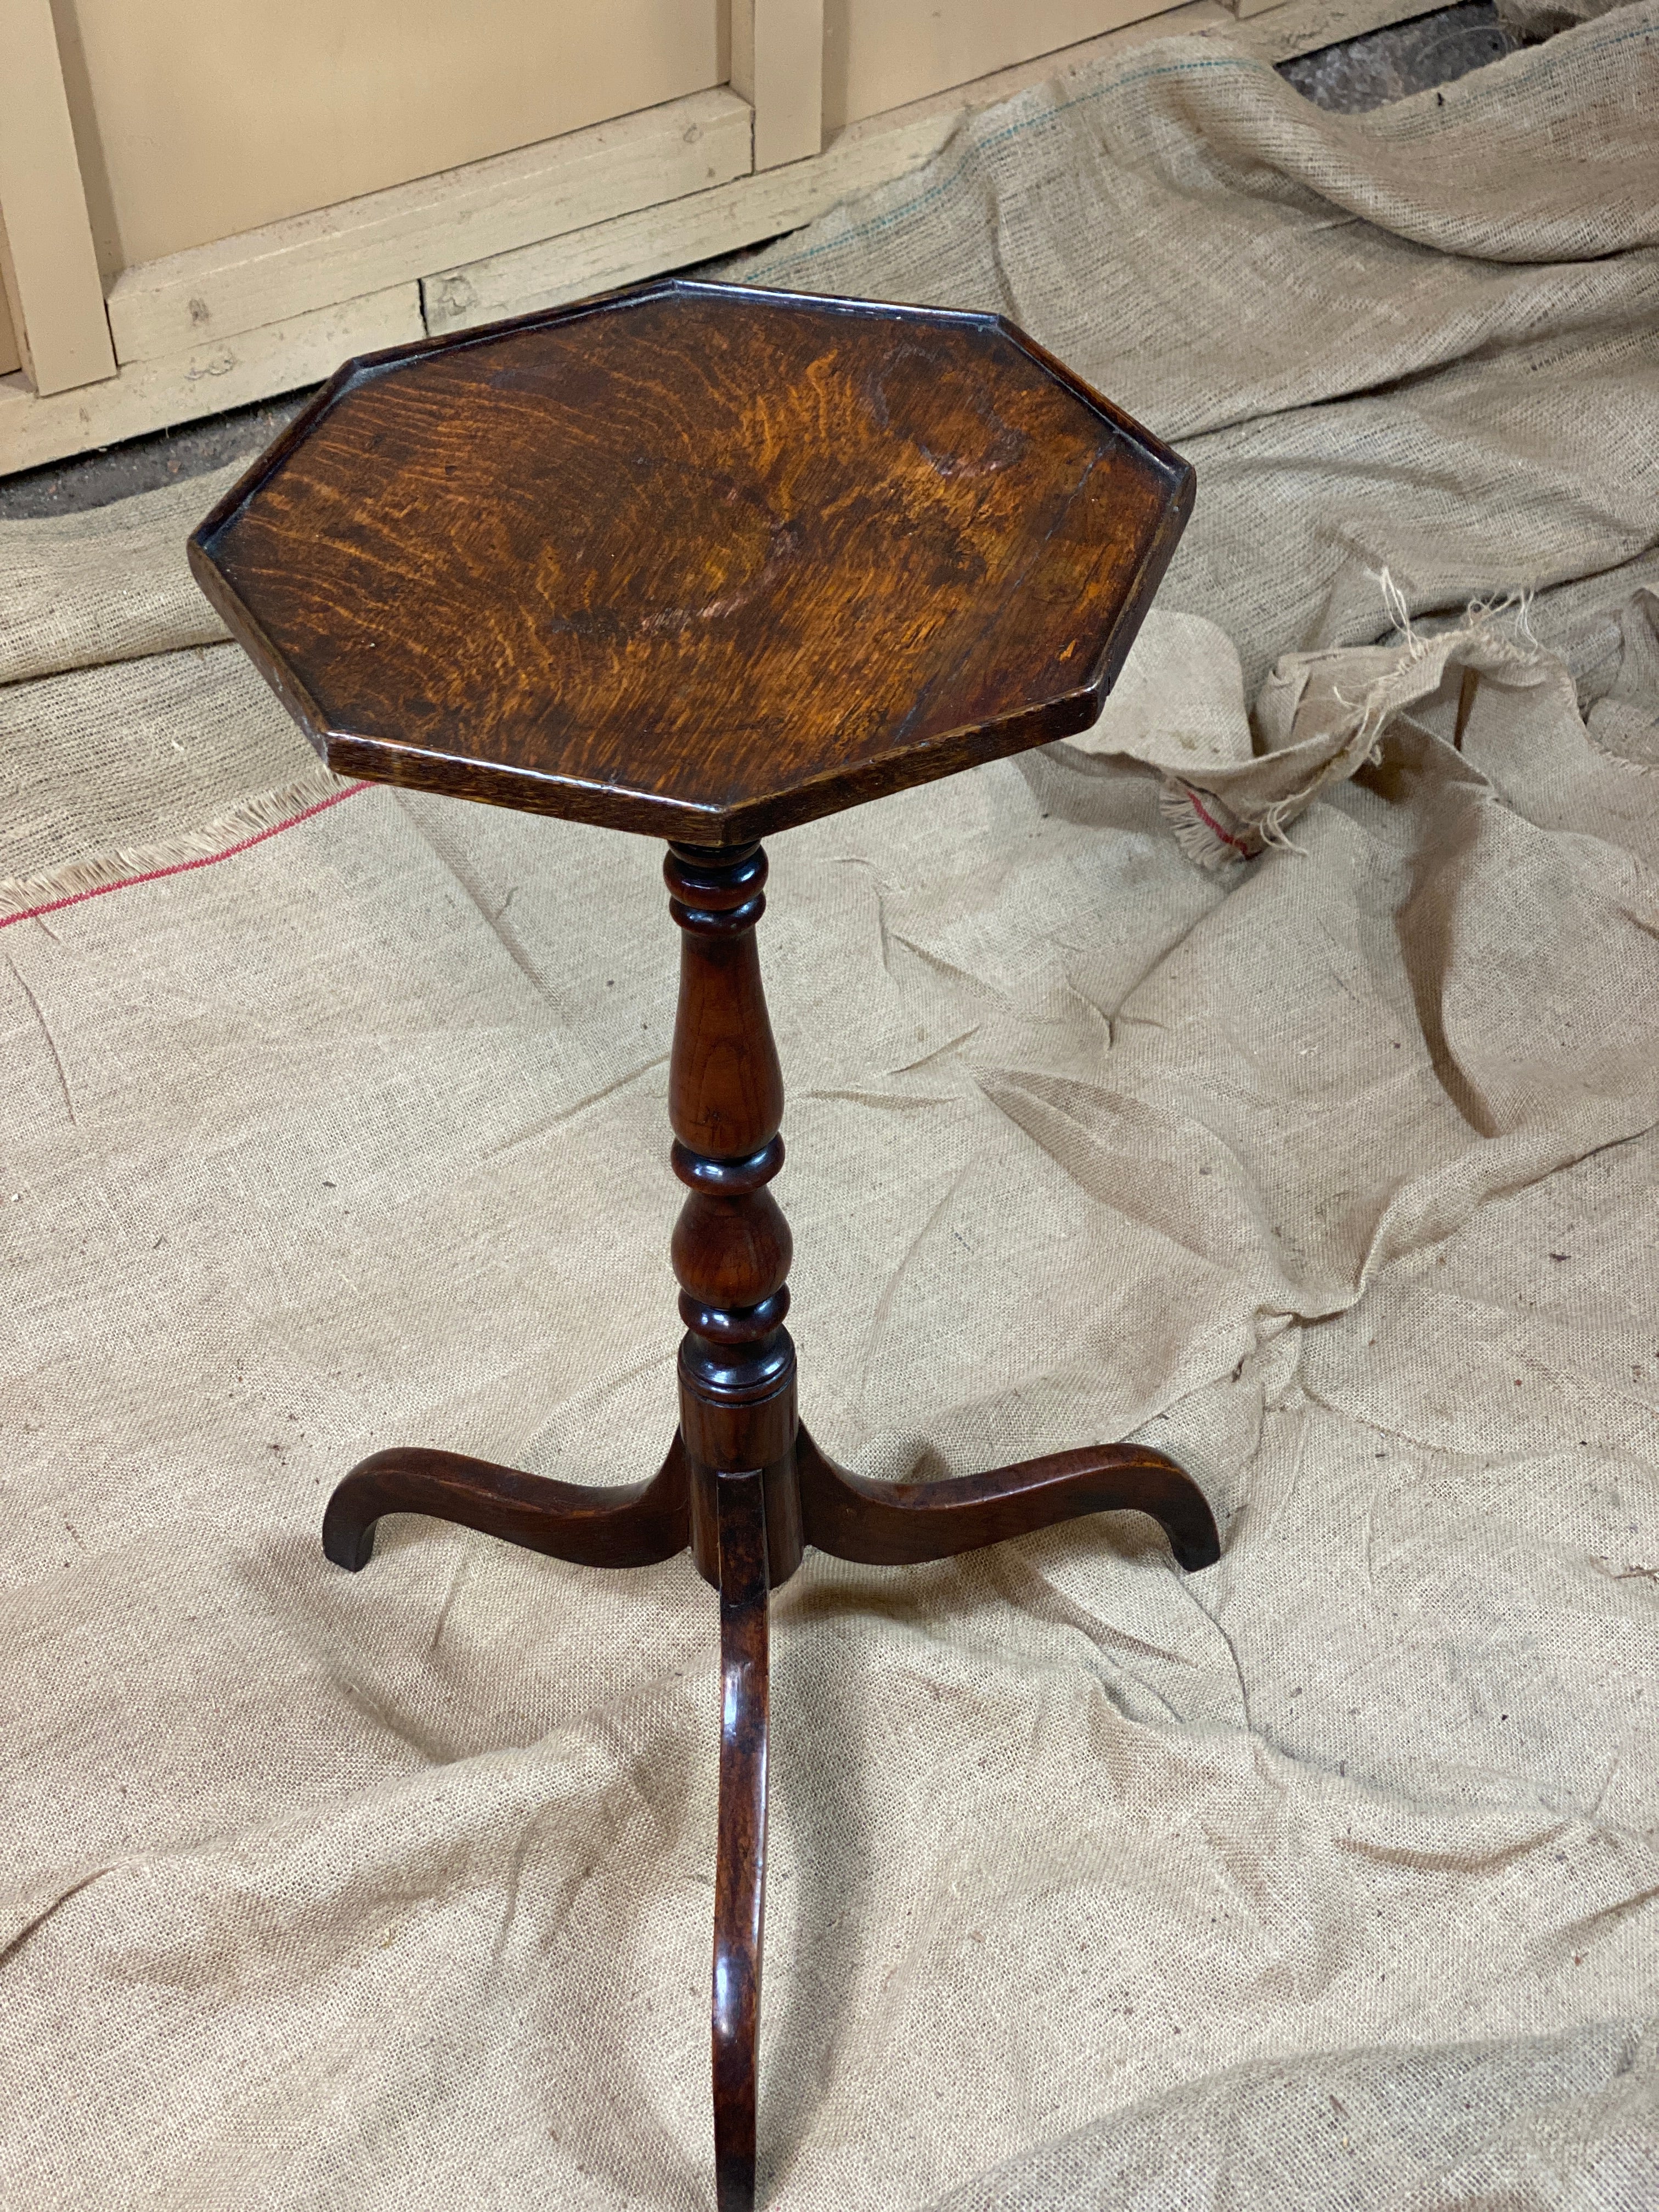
(1037, 522)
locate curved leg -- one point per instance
(893, 1524)
(740, 1868)
(626, 1525)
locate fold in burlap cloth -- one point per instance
(1326, 1878)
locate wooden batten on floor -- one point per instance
(277, 308)
(875, 151)
(692, 229)
(149, 395)
(312, 261)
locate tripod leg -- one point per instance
(628, 1525)
(741, 1870)
(892, 1524)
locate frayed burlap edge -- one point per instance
(245, 823)
(1217, 831)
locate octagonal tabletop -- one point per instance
(698, 560)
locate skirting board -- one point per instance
(393, 237)
(297, 349)
(152, 395)
(708, 223)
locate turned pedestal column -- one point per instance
(737, 1421)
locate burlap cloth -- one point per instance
(1327, 1878)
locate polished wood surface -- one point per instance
(699, 561)
(731, 1248)
(740, 1866)
(590, 1524)
(899, 1524)
(702, 561)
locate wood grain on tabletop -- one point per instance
(697, 561)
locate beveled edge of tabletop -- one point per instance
(616, 806)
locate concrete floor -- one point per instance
(1406, 57)
(1360, 73)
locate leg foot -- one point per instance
(629, 1525)
(890, 1525)
(741, 1870)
